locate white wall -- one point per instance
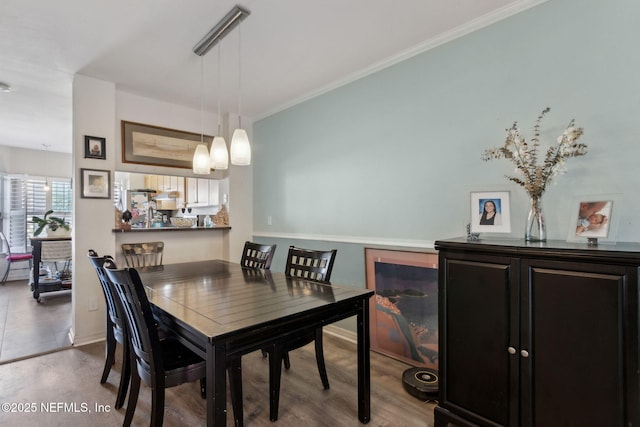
(14, 160)
(93, 219)
(237, 181)
(98, 110)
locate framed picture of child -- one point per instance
(593, 218)
(95, 147)
(490, 212)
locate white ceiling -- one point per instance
(291, 50)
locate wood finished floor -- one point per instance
(72, 377)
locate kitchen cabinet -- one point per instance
(202, 192)
(542, 334)
(164, 183)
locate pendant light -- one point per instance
(240, 147)
(201, 161)
(219, 154)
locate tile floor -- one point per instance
(28, 328)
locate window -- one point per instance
(28, 196)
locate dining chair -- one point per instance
(11, 258)
(307, 264)
(159, 363)
(145, 254)
(255, 255)
(116, 329)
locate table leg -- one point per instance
(35, 269)
(364, 364)
(216, 386)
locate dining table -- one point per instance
(221, 310)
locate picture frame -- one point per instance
(404, 310)
(158, 146)
(498, 223)
(604, 210)
(95, 147)
(95, 184)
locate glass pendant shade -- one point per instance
(240, 148)
(201, 162)
(219, 154)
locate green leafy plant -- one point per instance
(53, 222)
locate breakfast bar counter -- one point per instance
(162, 229)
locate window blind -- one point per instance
(29, 196)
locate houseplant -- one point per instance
(535, 177)
(53, 224)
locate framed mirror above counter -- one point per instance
(146, 202)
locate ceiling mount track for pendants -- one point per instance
(221, 29)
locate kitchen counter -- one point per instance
(170, 228)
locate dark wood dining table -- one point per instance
(221, 310)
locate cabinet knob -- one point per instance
(524, 353)
(512, 350)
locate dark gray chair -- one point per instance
(304, 264)
(255, 255)
(159, 363)
(116, 329)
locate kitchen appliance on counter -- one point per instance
(161, 205)
(167, 206)
(138, 203)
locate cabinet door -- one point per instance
(192, 190)
(479, 323)
(579, 327)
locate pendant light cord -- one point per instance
(219, 93)
(240, 76)
(202, 99)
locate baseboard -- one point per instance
(342, 333)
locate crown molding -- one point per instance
(460, 31)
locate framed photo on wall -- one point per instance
(95, 147)
(95, 184)
(159, 146)
(404, 309)
(490, 212)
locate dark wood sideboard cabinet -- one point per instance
(538, 334)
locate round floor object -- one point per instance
(421, 382)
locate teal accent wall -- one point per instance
(395, 155)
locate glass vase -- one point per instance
(535, 230)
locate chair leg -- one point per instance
(287, 362)
(235, 388)
(157, 404)
(203, 387)
(110, 354)
(275, 373)
(133, 397)
(6, 273)
(320, 359)
(125, 375)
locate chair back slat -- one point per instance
(310, 264)
(114, 308)
(144, 254)
(255, 255)
(140, 322)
